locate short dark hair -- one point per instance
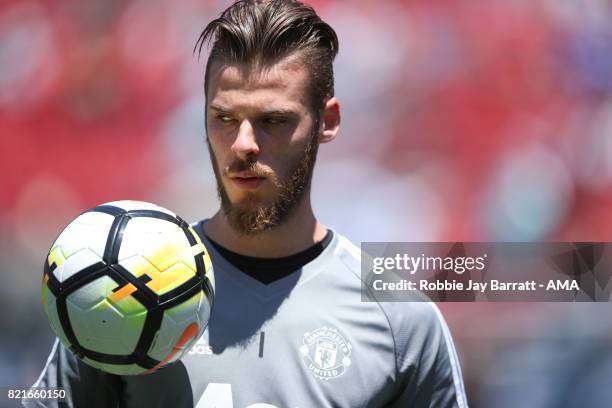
(259, 32)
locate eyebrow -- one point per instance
(271, 112)
(278, 112)
(219, 108)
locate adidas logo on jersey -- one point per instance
(201, 347)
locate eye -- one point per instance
(224, 118)
(275, 120)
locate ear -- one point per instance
(331, 120)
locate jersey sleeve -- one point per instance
(85, 386)
(427, 367)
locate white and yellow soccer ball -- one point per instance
(128, 287)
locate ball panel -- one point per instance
(176, 334)
(169, 253)
(130, 205)
(138, 266)
(197, 249)
(47, 295)
(163, 341)
(127, 305)
(131, 328)
(79, 321)
(78, 261)
(174, 277)
(208, 268)
(189, 263)
(187, 340)
(50, 308)
(89, 230)
(187, 259)
(184, 312)
(205, 310)
(56, 256)
(161, 242)
(92, 333)
(194, 234)
(209, 272)
(89, 295)
(105, 321)
(175, 340)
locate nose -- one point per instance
(245, 144)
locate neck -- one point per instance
(299, 232)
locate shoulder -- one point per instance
(414, 319)
(348, 253)
(425, 352)
(424, 348)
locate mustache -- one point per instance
(253, 167)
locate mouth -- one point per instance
(247, 182)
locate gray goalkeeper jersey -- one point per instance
(305, 340)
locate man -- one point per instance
(288, 327)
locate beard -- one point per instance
(253, 215)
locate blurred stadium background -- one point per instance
(463, 120)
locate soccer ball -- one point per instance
(128, 287)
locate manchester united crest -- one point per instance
(326, 353)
